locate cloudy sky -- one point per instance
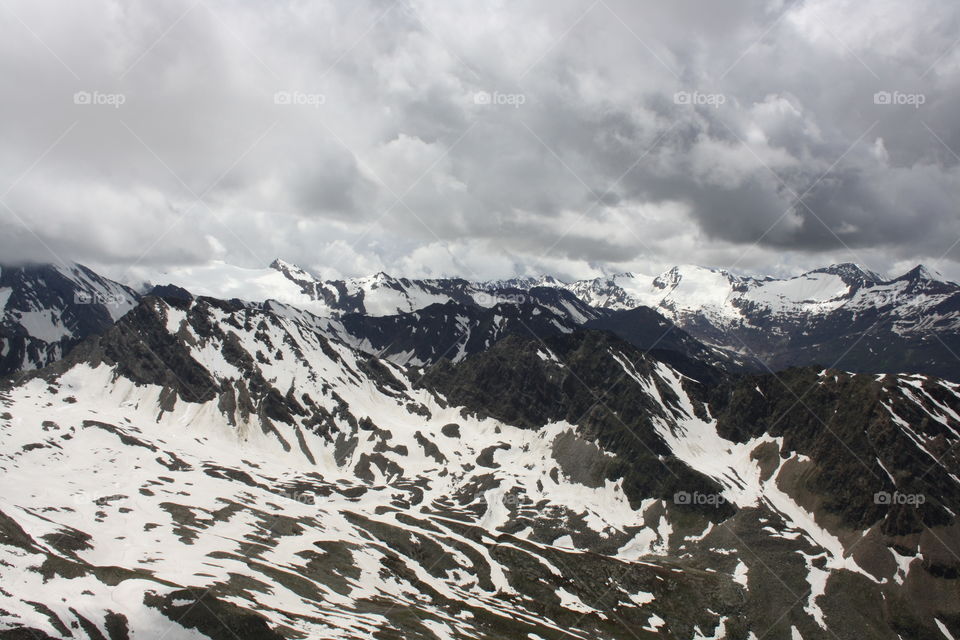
(481, 138)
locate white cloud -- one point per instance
(381, 103)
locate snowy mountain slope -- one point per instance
(418, 322)
(208, 469)
(334, 510)
(716, 295)
(454, 330)
(217, 279)
(841, 315)
(862, 468)
(912, 322)
(376, 295)
(647, 329)
(46, 309)
(909, 324)
(818, 318)
(721, 295)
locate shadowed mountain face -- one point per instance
(909, 324)
(223, 469)
(454, 330)
(842, 316)
(47, 309)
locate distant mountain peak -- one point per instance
(921, 273)
(851, 273)
(378, 279)
(288, 267)
(704, 276)
(523, 282)
(548, 280)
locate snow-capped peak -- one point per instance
(921, 273)
(290, 268)
(380, 277)
(524, 282)
(851, 273)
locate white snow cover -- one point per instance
(92, 476)
(113, 295)
(688, 289)
(722, 297)
(47, 314)
(218, 279)
(681, 292)
(102, 457)
(44, 324)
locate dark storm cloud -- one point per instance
(483, 138)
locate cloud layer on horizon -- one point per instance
(482, 139)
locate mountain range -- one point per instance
(264, 454)
(842, 316)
